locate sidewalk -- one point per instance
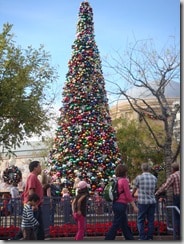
(118, 238)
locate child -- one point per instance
(79, 209)
(66, 203)
(29, 222)
(76, 181)
(65, 192)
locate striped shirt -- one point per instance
(174, 181)
(28, 219)
(146, 184)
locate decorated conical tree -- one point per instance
(85, 144)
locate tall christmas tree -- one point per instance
(85, 144)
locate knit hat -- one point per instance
(82, 184)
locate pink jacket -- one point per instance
(124, 190)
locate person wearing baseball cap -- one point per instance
(82, 184)
(79, 205)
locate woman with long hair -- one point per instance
(119, 206)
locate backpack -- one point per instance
(110, 192)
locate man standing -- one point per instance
(33, 185)
(173, 181)
(146, 185)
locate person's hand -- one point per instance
(135, 209)
(157, 196)
(79, 212)
(35, 208)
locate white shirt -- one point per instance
(14, 192)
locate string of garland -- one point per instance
(12, 174)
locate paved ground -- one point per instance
(101, 238)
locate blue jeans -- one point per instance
(176, 202)
(38, 216)
(120, 221)
(146, 211)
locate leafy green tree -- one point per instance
(26, 91)
(136, 145)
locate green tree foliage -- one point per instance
(26, 95)
(137, 146)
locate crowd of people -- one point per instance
(144, 204)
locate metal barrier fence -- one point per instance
(171, 211)
(58, 220)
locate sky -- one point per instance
(116, 22)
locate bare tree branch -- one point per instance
(144, 74)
